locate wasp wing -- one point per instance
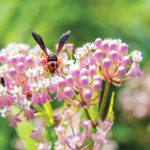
(39, 40)
(62, 41)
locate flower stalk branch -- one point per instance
(89, 118)
(104, 100)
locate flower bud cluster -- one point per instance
(83, 85)
(111, 59)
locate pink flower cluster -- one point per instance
(25, 82)
(69, 136)
(42, 143)
(78, 81)
(112, 60)
(101, 136)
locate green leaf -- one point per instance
(49, 111)
(93, 111)
(24, 131)
(82, 115)
(110, 114)
(39, 108)
(50, 135)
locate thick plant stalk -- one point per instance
(104, 100)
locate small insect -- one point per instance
(52, 59)
(2, 80)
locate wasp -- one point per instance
(52, 59)
(2, 81)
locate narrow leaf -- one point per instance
(93, 111)
(110, 114)
(49, 111)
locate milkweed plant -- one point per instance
(80, 124)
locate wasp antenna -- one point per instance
(39, 40)
(62, 41)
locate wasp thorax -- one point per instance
(52, 57)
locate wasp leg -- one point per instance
(42, 55)
(57, 73)
(46, 69)
(42, 62)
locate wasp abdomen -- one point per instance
(52, 66)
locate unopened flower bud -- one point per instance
(21, 58)
(69, 46)
(105, 46)
(99, 54)
(70, 49)
(84, 72)
(76, 73)
(97, 78)
(123, 48)
(106, 63)
(113, 45)
(84, 81)
(70, 79)
(113, 55)
(29, 62)
(62, 83)
(125, 61)
(121, 71)
(3, 58)
(68, 92)
(92, 70)
(98, 42)
(87, 94)
(14, 60)
(91, 59)
(97, 86)
(20, 67)
(12, 72)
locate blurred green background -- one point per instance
(87, 19)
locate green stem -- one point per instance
(87, 146)
(72, 128)
(89, 118)
(104, 100)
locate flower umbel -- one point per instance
(30, 86)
